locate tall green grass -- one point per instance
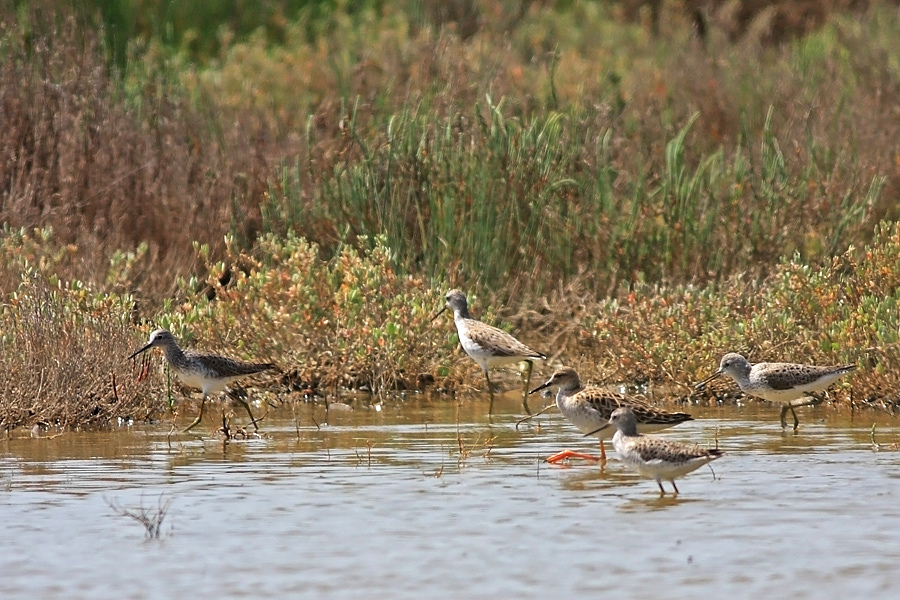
(481, 198)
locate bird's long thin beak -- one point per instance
(440, 312)
(700, 385)
(145, 348)
(539, 388)
(596, 431)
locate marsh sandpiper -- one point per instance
(209, 373)
(653, 457)
(488, 346)
(589, 409)
(779, 382)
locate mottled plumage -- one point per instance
(589, 408)
(655, 458)
(486, 345)
(779, 382)
(207, 372)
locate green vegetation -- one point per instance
(302, 184)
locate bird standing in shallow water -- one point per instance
(652, 457)
(207, 372)
(488, 346)
(589, 408)
(779, 382)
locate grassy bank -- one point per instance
(353, 323)
(637, 204)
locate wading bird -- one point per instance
(209, 373)
(589, 408)
(488, 346)
(779, 382)
(652, 457)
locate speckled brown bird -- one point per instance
(589, 409)
(209, 373)
(779, 382)
(488, 346)
(653, 457)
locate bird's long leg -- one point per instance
(790, 406)
(662, 490)
(528, 367)
(247, 406)
(490, 391)
(199, 416)
(675, 487)
(566, 454)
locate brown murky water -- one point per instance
(383, 504)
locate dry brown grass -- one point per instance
(108, 172)
(64, 361)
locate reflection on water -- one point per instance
(430, 498)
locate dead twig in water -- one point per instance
(369, 445)
(36, 431)
(459, 441)
(716, 438)
(296, 421)
(151, 519)
(239, 433)
(489, 444)
(440, 471)
(465, 449)
(225, 428)
(312, 413)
